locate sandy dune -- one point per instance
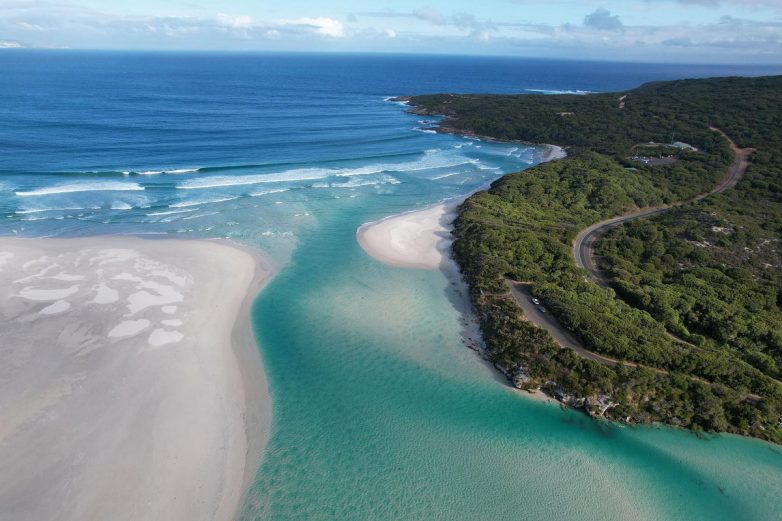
(127, 368)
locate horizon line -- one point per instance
(382, 53)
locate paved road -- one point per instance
(584, 256)
(521, 295)
(583, 252)
(583, 245)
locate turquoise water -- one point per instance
(380, 411)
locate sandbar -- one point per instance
(131, 385)
(422, 238)
(417, 239)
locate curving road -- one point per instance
(583, 245)
(520, 293)
(583, 252)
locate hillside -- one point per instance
(693, 311)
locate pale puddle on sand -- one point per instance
(5, 256)
(147, 293)
(119, 387)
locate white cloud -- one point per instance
(603, 33)
(325, 26)
(475, 28)
(10, 44)
(234, 22)
(483, 36)
(603, 20)
(431, 15)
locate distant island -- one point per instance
(640, 277)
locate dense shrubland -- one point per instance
(707, 272)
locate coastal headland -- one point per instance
(422, 238)
(679, 328)
(132, 387)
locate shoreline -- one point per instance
(421, 239)
(166, 414)
(247, 352)
(556, 151)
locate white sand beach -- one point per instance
(131, 386)
(418, 239)
(554, 152)
(422, 238)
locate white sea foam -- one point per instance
(25, 211)
(158, 172)
(354, 183)
(449, 174)
(170, 212)
(363, 170)
(113, 186)
(119, 205)
(432, 159)
(390, 99)
(207, 214)
(555, 91)
(300, 174)
(266, 192)
(185, 204)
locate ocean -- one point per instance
(380, 410)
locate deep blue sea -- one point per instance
(380, 411)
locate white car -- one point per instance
(535, 301)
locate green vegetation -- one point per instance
(710, 274)
(707, 272)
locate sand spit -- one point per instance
(419, 239)
(127, 368)
(422, 238)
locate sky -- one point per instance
(692, 31)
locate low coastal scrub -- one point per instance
(698, 321)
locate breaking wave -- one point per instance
(113, 186)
